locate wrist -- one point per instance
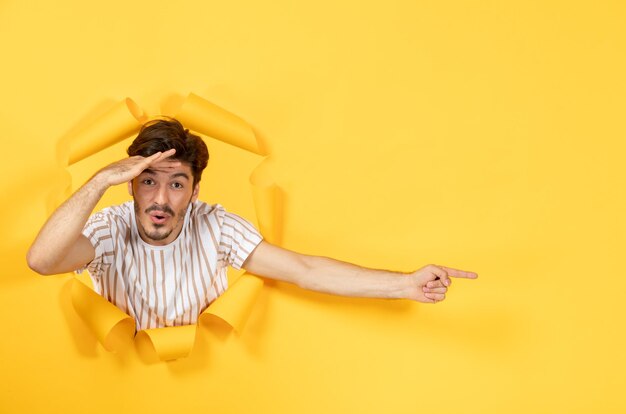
(99, 182)
(402, 286)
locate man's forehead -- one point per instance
(169, 167)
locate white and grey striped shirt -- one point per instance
(167, 285)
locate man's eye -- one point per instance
(177, 185)
(148, 181)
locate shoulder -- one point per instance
(200, 208)
(216, 213)
(204, 215)
(103, 225)
(120, 215)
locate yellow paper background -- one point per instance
(479, 135)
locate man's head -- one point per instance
(167, 133)
(163, 191)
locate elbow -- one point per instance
(37, 264)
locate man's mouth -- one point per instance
(159, 217)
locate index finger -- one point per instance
(459, 273)
(158, 156)
(167, 154)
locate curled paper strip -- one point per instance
(112, 326)
(118, 123)
(235, 305)
(168, 343)
(209, 119)
(267, 203)
(106, 320)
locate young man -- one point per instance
(162, 258)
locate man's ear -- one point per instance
(196, 191)
(130, 188)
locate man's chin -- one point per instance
(158, 236)
(157, 232)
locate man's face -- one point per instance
(162, 194)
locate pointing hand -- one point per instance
(430, 283)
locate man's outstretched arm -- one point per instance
(60, 245)
(428, 284)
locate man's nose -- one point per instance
(160, 196)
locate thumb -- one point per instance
(440, 273)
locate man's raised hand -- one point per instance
(430, 283)
(125, 170)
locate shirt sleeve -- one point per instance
(239, 239)
(98, 231)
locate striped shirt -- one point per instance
(167, 285)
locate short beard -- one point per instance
(156, 236)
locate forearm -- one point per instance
(332, 276)
(64, 226)
(323, 274)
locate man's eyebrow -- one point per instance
(175, 175)
(180, 174)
